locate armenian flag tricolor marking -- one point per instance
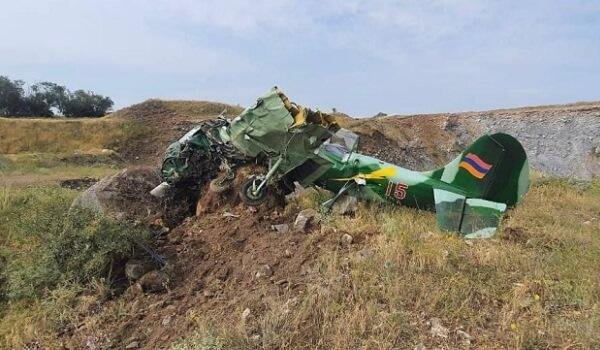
(475, 166)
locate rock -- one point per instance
(281, 228)
(123, 195)
(287, 253)
(135, 269)
(245, 314)
(300, 192)
(347, 239)
(420, 347)
(223, 273)
(154, 281)
(366, 253)
(133, 345)
(304, 219)
(133, 292)
(264, 271)
(345, 205)
(466, 337)
(207, 293)
(437, 330)
(255, 337)
(166, 321)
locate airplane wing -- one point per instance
(473, 217)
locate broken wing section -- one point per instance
(472, 217)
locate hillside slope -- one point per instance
(561, 140)
(384, 277)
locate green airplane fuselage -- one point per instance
(382, 181)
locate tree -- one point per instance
(85, 104)
(11, 97)
(45, 99)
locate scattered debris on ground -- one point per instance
(78, 184)
(228, 260)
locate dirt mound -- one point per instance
(559, 140)
(221, 263)
(155, 124)
(126, 195)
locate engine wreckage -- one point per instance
(299, 145)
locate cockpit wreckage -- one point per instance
(297, 145)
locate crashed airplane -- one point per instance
(297, 145)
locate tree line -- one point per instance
(48, 99)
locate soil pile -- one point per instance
(154, 124)
(126, 196)
(559, 140)
(229, 259)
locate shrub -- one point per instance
(47, 245)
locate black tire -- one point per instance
(248, 197)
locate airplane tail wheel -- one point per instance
(249, 193)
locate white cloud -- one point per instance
(338, 49)
(110, 33)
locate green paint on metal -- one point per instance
(469, 195)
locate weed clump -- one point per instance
(51, 253)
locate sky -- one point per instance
(358, 56)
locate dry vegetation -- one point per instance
(535, 286)
(59, 135)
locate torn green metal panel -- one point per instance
(469, 194)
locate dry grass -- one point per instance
(535, 286)
(58, 135)
(18, 170)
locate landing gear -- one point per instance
(254, 190)
(252, 193)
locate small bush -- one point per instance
(49, 245)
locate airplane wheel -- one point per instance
(251, 198)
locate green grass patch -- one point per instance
(50, 253)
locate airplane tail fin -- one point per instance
(493, 174)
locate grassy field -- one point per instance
(18, 170)
(58, 135)
(534, 286)
(51, 258)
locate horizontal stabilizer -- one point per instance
(472, 217)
